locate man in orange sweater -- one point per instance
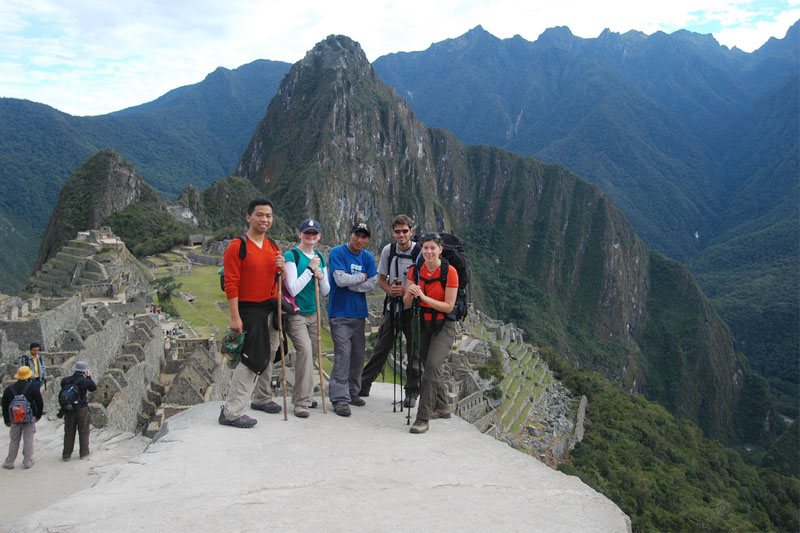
(251, 285)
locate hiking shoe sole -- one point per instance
(358, 402)
(269, 407)
(442, 414)
(301, 412)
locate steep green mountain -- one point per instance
(665, 474)
(191, 135)
(103, 185)
(549, 251)
(751, 272)
(784, 455)
(696, 143)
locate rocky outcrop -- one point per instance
(101, 186)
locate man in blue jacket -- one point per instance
(352, 275)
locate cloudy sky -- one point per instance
(89, 57)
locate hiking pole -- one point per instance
(394, 358)
(398, 346)
(416, 341)
(280, 341)
(319, 347)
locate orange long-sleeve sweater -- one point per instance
(251, 279)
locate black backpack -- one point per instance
(242, 254)
(453, 255)
(69, 396)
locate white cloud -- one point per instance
(93, 56)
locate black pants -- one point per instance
(78, 419)
(383, 347)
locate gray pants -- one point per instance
(246, 383)
(25, 433)
(349, 344)
(434, 350)
(302, 329)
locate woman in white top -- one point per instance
(303, 264)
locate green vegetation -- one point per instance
(148, 229)
(495, 367)
(164, 289)
(663, 473)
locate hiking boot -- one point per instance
(358, 402)
(342, 409)
(301, 412)
(26, 464)
(8, 466)
(243, 421)
(364, 390)
(420, 426)
(441, 413)
(313, 404)
(410, 401)
(269, 407)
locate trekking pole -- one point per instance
(394, 357)
(415, 341)
(319, 347)
(399, 356)
(280, 335)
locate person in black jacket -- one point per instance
(78, 418)
(25, 431)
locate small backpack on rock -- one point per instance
(20, 411)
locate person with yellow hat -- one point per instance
(22, 408)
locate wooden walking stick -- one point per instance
(280, 341)
(319, 347)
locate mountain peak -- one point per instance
(335, 52)
(558, 36)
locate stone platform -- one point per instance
(326, 473)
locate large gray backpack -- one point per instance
(20, 410)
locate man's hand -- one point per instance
(396, 289)
(279, 261)
(236, 324)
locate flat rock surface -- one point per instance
(323, 473)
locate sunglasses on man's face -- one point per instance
(310, 233)
(401, 231)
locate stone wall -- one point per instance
(127, 377)
(46, 326)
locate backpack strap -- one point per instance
(242, 246)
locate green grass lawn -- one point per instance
(204, 313)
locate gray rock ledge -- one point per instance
(328, 473)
